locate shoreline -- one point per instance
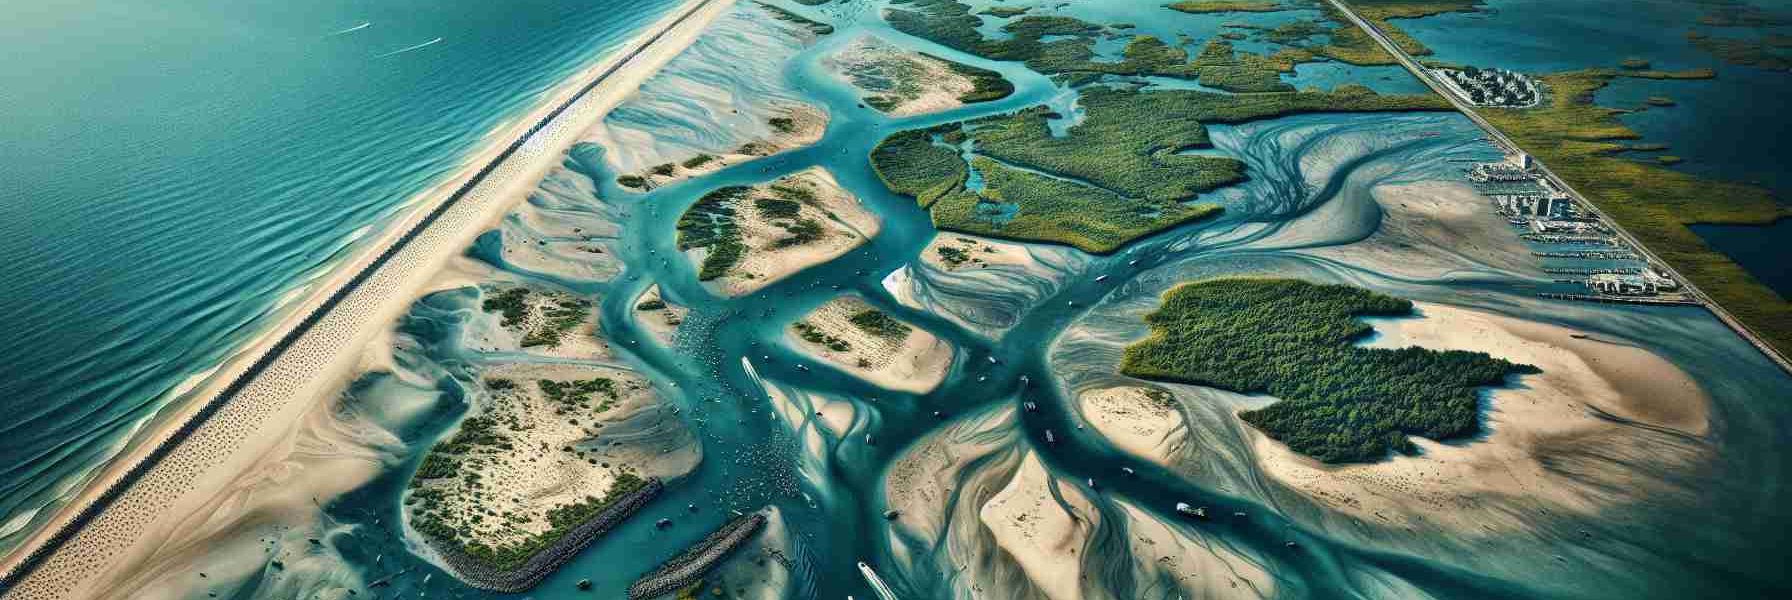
(322, 334)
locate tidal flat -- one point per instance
(1019, 459)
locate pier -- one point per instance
(1505, 143)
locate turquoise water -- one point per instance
(1310, 189)
(174, 168)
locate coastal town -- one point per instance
(1491, 87)
(1591, 261)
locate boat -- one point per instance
(1049, 438)
(1199, 512)
(1101, 279)
(1031, 407)
(877, 583)
(992, 359)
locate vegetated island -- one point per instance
(1295, 340)
(542, 319)
(1122, 173)
(1765, 51)
(859, 338)
(553, 457)
(1584, 144)
(905, 83)
(744, 238)
(1221, 6)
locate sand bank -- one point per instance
(794, 125)
(1045, 525)
(899, 82)
(1144, 422)
(658, 316)
(860, 339)
(773, 230)
(983, 284)
(317, 350)
(1533, 427)
(1198, 568)
(1437, 230)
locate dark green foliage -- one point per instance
(815, 335)
(577, 394)
(910, 163)
(562, 519)
(631, 181)
(698, 161)
(664, 170)
(875, 322)
(1296, 341)
(990, 85)
(953, 256)
(782, 124)
(1004, 12)
(710, 224)
(654, 304)
(802, 231)
(816, 27)
(777, 208)
(510, 302)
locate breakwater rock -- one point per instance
(690, 565)
(479, 574)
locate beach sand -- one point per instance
(898, 82)
(1198, 567)
(994, 284)
(1465, 486)
(153, 523)
(659, 316)
(1144, 422)
(844, 224)
(914, 362)
(1045, 525)
(808, 123)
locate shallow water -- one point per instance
(1312, 188)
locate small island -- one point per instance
(541, 322)
(744, 238)
(865, 341)
(904, 83)
(1297, 341)
(551, 458)
(796, 126)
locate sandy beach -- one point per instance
(147, 524)
(771, 247)
(898, 82)
(910, 360)
(1533, 426)
(659, 315)
(1045, 525)
(1143, 422)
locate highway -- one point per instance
(1510, 146)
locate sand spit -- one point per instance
(1141, 421)
(827, 223)
(867, 342)
(982, 284)
(899, 82)
(1197, 567)
(795, 125)
(690, 566)
(659, 316)
(118, 526)
(1045, 525)
(1437, 230)
(1463, 487)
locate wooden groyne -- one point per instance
(690, 566)
(540, 565)
(136, 472)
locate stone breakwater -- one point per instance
(172, 467)
(479, 574)
(688, 567)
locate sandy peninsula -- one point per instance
(899, 82)
(1534, 425)
(860, 339)
(194, 490)
(658, 316)
(794, 125)
(1045, 525)
(748, 237)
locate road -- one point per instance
(1510, 146)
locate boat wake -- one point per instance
(411, 48)
(363, 25)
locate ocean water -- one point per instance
(175, 169)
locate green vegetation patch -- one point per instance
(814, 26)
(910, 163)
(558, 317)
(875, 322)
(578, 393)
(1582, 142)
(1021, 205)
(815, 335)
(1221, 6)
(1295, 340)
(987, 85)
(710, 224)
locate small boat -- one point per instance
(663, 523)
(1025, 380)
(800, 367)
(1199, 512)
(1050, 438)
(992, 360)
(1127, 470)
(890, 515)
(583, 584)
(1092, 484)
(1132, 263)
(1101, 279)
(1031, 407)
